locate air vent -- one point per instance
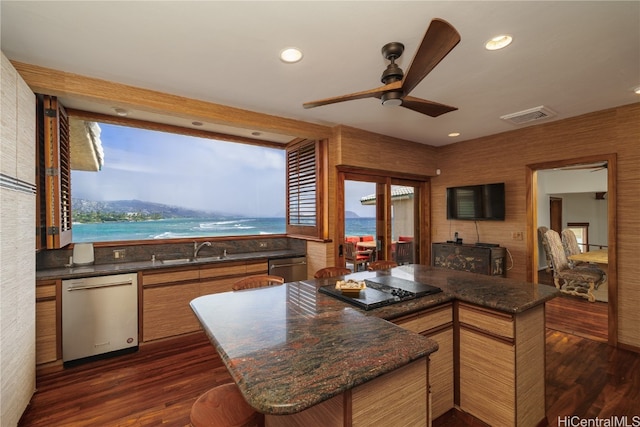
(530, 115)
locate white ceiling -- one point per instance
(573, 57)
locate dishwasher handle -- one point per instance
(100, 286)
(288, 265)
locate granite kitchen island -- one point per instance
(300, 356)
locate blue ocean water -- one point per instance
(198, 227)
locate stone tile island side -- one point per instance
(301, 356)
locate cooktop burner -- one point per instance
(382, 291)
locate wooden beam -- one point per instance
(64, 84)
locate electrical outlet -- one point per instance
(517, 235)
(118, 253)
(262, 245)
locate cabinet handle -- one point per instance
(107, 285)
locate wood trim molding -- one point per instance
(64, 84)
(612, 273)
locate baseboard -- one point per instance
(629, 347)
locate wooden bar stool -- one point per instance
(224, 406)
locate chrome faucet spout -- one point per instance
(197, 247)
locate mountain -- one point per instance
(351, 214)
(140, 207)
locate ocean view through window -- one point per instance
(158, 185)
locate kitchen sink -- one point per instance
(190, 260)
(207, 258)
(176, 261)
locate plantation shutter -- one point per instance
(302, 188)
(54, 174)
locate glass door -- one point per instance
(403, 223)
(363, 231)
(380, 220)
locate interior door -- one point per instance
(555, 214)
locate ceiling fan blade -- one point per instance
(429, 108)
(371, 93)
(438, 41)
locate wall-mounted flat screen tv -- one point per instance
(476, 202)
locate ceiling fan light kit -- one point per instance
(391, 99)
(439, 39)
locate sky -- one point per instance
(195, 173)
(185, 171)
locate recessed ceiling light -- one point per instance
(256, 133)
(498, 42)
(197, 123)
(454, 134)
(637, 90)
(290, 55)
(120, 111)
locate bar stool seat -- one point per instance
(224, 406)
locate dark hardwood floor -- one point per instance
(575, 315)
(158, 384)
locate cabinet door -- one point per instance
(436, 324)
(46, 331)
(487, 378)
(441, 373)
(166, 310)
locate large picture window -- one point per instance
(158, 185)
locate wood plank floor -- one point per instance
(578, 316)
(158, 384)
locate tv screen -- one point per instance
(476, 202)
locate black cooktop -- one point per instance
(382, 291)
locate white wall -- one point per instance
(577, 189)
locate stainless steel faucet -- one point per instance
(197, 247)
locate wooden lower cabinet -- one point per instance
(383, 401)
(501, 365)
(166, 295)
(437, 324)
(47, 326)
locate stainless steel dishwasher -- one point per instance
(292, 269)
(99, 316)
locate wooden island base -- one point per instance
(382, 401)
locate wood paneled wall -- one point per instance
(504, 158)
(359, 148)
(497, 158)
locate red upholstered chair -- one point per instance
(405, 239)
(404, 253)
(352, 239)
(356, 257)
(366, 239)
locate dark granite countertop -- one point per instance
(132, 267)
(498, 293)
(288, 347)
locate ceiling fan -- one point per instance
(438, 41)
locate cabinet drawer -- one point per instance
(215, 286)
(223, 270)
(493, 322)
(258, 268)
(426, 320)
(45, 292)
(170, 277)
